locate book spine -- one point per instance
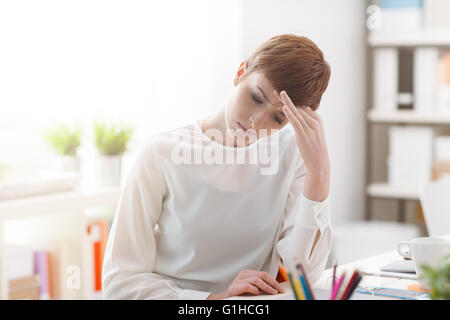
(425, 86)
(42, 267)
(385, 79)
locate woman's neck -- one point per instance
(217, 122)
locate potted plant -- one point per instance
(65, 140)
(111, 142)
(438, 279)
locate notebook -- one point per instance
(320, 294)
(406, 266)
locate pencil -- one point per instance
(334, 273)
(305, 287)
(349, 285)
(337, 286)
(291, 282)
(333, 283)
(355, 284)
(283, 273)
(308, 286)
(297, 285)
(302, 282)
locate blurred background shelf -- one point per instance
(384, 190)
(59, 222)
(407, 116)
(408, 113)
(439, 37)
(75, 200)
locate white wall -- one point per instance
(158, 64)
(338, 28)
(155, 65)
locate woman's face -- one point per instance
(253, 106)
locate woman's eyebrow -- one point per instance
(265, 97)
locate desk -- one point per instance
(367, 264)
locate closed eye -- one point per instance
(279, 119)
(256, 99)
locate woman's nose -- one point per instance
(252, 121)
(256, 120)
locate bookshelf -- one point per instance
(408, 117)
(434, 38)
(386, 191)
(57, 216)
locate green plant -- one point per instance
(64, 139)
(111, 140)
(438, 278)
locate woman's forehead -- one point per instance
(260, 83)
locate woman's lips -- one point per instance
(247, 132)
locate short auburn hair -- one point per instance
(294, 64)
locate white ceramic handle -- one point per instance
(403, 253)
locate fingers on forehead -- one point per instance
(280, 102)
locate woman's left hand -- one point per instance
(310, 135)
(310, 138)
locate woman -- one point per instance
(191, 225)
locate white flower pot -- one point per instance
(69, 163)
(109, 170)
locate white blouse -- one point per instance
(193, 213)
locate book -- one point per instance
(25, 288)
(385, 83)
(60, 255)
(441, 170)
(425, 79)
(410, 158)
(442, 148)
(441, 166)
(42, 268)
(98, 232)
(18, 261)
(436, 14)
(401, 15)
(444, 84)
(400, 3)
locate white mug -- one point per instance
(426, 250)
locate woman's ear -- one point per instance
(241, 71)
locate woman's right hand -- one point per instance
(252, 282)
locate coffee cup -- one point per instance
(424, 251)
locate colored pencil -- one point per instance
(294, 289)
(283, 272)
(355, 284)
(305, 287)
(334, 273)
(337, 286)
(297, 285)
(349, 285)
(308, 286)
(302, 282)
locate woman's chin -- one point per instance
(246, 138)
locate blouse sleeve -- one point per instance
(303, 218)
(131, 248)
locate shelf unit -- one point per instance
(408, 117)
(422, 38)
(377, 39)
(386, 191)
(68, 210)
